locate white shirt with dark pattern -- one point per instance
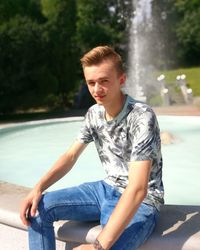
(133, 135)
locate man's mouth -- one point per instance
(99, 97)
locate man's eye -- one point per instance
(91, 83)
(104, 81)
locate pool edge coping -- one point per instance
(40, 122)
(9, 215)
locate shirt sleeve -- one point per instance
(145, 137)
(85, 135)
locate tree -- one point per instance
(37, 63)
(59, 35)
(163, 35)
(102, 22)
(176, 32)
(11, 8)
(188, 30)
(22, 64)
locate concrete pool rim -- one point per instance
(178, 226)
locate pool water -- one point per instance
(28, 150)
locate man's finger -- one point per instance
(34, 208)
(23, 214)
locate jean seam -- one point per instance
(72, 204)
(42, 238)
(45, 214)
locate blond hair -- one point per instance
(102, 53)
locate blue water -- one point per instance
(28, 150)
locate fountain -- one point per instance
(138, 49)
(186, 92)
(164, 92)
(141, 83)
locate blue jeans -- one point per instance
(88, 202)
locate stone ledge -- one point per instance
(178, 226)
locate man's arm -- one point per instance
(128, 204)
(59, 169)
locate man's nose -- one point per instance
(97, 87)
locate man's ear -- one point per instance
(122, 79)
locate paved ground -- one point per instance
(188, 110)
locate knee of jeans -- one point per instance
(44, 212)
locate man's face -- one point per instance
(104, 82)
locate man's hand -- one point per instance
(85, 247)
(29, 206)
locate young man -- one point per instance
(127, 139)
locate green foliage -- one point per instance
(12, 8)
(163, 35)
(59, 34)
(92, 26)
(188, 30)
(21, 64)
(176, 31)
(49, 8)
(102, 22)
(37, 59)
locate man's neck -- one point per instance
(114, 108)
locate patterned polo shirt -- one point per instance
(133, 135)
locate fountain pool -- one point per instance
(27, 150)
